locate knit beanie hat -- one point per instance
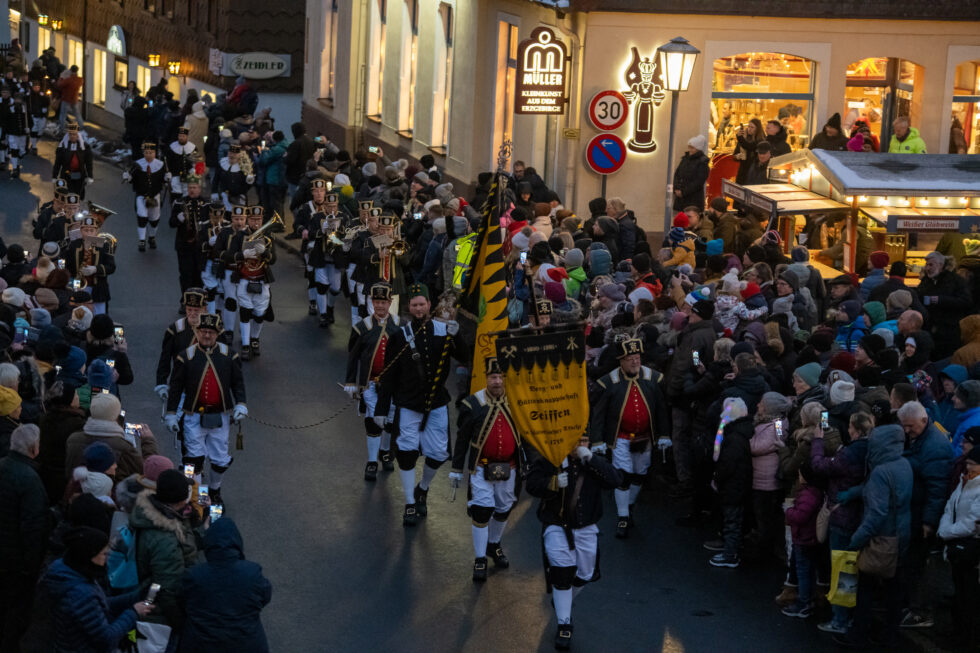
(40, 318)
(613, 291)
(872, 344)
(809, 374)
(47, 299)
(775, 404)
(969, 393)
(887, 335)
(898, 300)
(841, 391)
(704, 309)
(555, 292)
(520, 241)
(105, 406)
(742, 347)
(716, 246)
(875, 311)
(83, 543)
(730, 284)
(751, 290)
(800, 254)
(574, 258)
(172, 486)
(640, 293)
(756, 254)
(153, 466)
(898, 269)
(95, 483)
(879, 260)
(14, 296)
(98, 457)
(81, 318)
(101, 327)
(681, 220)
(699, 142)
(9, 400)
(600, 261)
(676, 236)
(842, 360)
(852, 308)
(99, 374)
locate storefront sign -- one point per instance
(732, 190)
(645, 93)
(542, 64)
(763, 203)
(116, 43)
(216, 60)
(908, 223)
(606, 153)
(256, 65)
(608, 110)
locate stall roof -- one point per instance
(787, 198)
(860, 173)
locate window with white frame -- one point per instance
(503, 105)
(410, 46)
(328, 55)
(43, 39)
(98, 76)
(443, 84)
(376, 58)
(143, 81)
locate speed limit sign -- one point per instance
(608, 110)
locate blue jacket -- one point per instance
(874, 279)
(85, 620)
(931, 459)
(968, 419)
(946, 414)
(222, 598)
(887, 493)
(849, 335)
(273, 160)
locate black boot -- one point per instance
(480, 569)
(410, 517)
(623, 528)
(371, 472)
(313, 308)
(153, 242)
(142, 246)
(330, 318)
(496, 553)
(324, 320)
(420, 497)
(563, 639)
(246, 354)
(387, 460)
(255, 347)
(216, 497)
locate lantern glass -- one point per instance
(173, 67)
(677, 60)
(42, 19)
(153, 60)
(56, 24)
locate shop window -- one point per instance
(376, 63)
(75, 55)
(503, 105)
(443, 84)
(43, 39)
(763, 85)
(98, 77)
(328, 55)
(143, 80)
(120, 74)
(409, 56)
(879, 90)
(964, 136)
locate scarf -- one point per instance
(102, 428)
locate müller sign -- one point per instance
(542, 65)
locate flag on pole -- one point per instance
(484, 299)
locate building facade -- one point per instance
(439, 77)
(195, 44)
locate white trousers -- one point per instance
(257, 302)
(370, 396)
(433, 440)
(586, 548)
(151, 213)
(627, 461)
(212, 443)
(498, 495)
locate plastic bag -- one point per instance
(843, 578)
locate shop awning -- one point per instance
(859, 173)
(780, 199)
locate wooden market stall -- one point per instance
(909, 201)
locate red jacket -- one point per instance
(802, 515)
(69, 87)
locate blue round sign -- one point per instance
(606, 153)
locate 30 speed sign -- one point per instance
(608, 110)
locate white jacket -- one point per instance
(962, 511)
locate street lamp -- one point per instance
(174, 67)
(57, 24)
(153, 60)
(676, 67)
(42, 19)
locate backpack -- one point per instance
(121, 562)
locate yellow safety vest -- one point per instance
(465, 247)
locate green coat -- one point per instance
(913, 144)
(166, 546)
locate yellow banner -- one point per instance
(544, 378)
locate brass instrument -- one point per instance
(100, 213)
(110, 242)
(276, 219)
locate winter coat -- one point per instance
(626, 238)
(802, 515)
(273, 159)
(197, 129)
(84, 619)
(128, 459)
(875, 278)
(822, 141)
(698, 337)
(56, 425)
(165, 547)
(222, 598)
(843, 470)
(749, 386)
(969, 354)
(913, 143)
(887, 493)
(23, 514)
(778, 142)
(931, 458)
(951, 304)
(765, 445)
(690, 177)
(967, 420)
(745, 154)
(733, 469)
(725, 228)
(962, 511)
(797, 455)
(681, 254)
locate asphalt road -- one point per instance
(346, 576)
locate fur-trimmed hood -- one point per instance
(150, 514)
(571, 313)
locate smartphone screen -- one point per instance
(373, 150)
(824, 421)
(118, 332)
(189, 471)
(697, 358)
(418, 216)
(111, 362)
(202, 493)
(216, 512)
(523, 258)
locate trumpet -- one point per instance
(398, 248)
(276, 219)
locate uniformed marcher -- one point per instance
(6, 102)
(369, 341)
(570, 509)
(147, 177)
(211, 375)
(180, 157)
(488, 448)
(359, 253)
(90, 262)
(212, 272)
(232, 182)
(48, 210)
(224, 239)
(179, 336)
(62, 223)
(251, 262)
(303, 222)
(541, 318)
(73, 160)
(357, 231)
(188, 212)
(37, 107)
(414, 379)
(387, 256)
(16, 128)
(628, 413)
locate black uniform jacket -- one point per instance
(580, 503)
(104, 262)
(365, 337)
(609, 399)
(188, 375)
(178, 338)
(416, 382)
(477, 413)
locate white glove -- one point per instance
(249, 179)
(239, 413)
(127, 177)
(212, 240)
(379, 420)
(599, 448)
(664, 443)
(455, 479)
(351, 390)
(452, 327)
(583, 453)
(249, 253)
(88, 270)
(563, 479)
(172, 422)
(168, 177)
(163, 391)
(89, 180)
(181, 217)
(259, 248)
